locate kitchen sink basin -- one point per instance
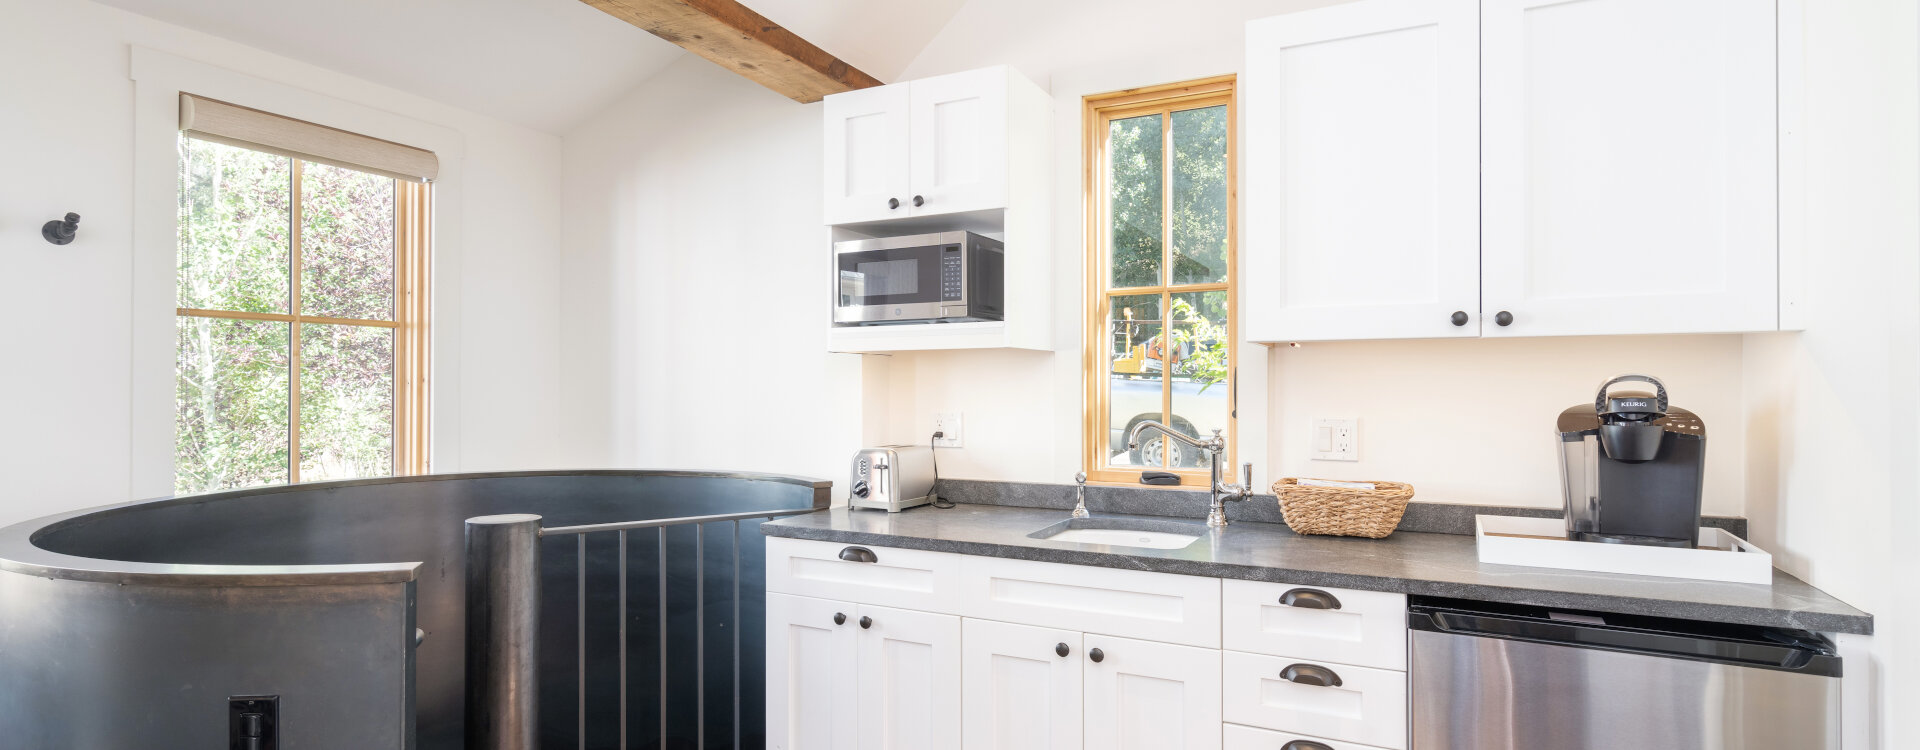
(1123, 532)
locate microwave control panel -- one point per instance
(952, 274)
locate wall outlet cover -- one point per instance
(1335, 439)
(948, 424)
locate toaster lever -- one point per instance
(858, 554)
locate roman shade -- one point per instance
(234, 125)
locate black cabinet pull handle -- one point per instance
(1309, 599)
(893, 203)
(1305, 745)
(1503, 318)
(919, 201)
(1062, 649)
(1097, 655)
(839, 618)
(867, 622)
(1310, 674)
(1459, 317)
(858, 554)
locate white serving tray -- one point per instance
(1543, 543)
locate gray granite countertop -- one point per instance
(1406, 562)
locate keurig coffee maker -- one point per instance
(1631, 466)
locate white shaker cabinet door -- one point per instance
(959, 126)
(1143, 695)
(1630, 170)
(811, 658)
(867, 159)
(909, 680)
(1020, 687)
(1362, 172)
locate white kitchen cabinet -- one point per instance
(1021, 687)
(1315, 698)
(867, 154)
(1362, 172)
(941, 145)
(1630, 173)
(909, 680)
(812, 656)
(958, 151)
(1540, 167)
(1143, 695)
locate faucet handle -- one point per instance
(1246, 479)
(1080, 477)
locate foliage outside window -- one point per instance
(1160, 290)
(300, 331)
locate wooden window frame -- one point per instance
(1099, 110)
(412, 242)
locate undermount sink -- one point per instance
(1122, 532)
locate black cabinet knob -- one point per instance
(1459, 317)
(1503, 318)
(893, 203)
(1097, 655)
(866, 622)
(919, 201)
(1062, 650)
(839, 618)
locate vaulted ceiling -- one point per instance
(547, 64)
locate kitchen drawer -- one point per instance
(1363, 628)
(1369, 706)
(904, 578)
(1247, 738)
(1127, 603)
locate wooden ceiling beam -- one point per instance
(744, 42)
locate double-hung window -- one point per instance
(1160, 287)
(301, 320)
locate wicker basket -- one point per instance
(1338, 511)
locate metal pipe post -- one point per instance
(503, 632)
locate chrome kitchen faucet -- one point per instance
(1213, 446)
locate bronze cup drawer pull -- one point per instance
(1305, 745)
(1310, 674)
(858, 554)
(1309, 599)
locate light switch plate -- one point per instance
(1335, 439)
(948, 424)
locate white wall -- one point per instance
(1832, 411)
(692, 250)
(68, 125)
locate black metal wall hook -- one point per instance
(61, 232)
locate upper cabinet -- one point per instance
(931, 146)
(1363, 172)
(1629, 166)
(1427, 169)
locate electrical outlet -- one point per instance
(1335, 439)
(947, 423)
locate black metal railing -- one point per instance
(505, 607)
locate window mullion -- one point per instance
(293, 355)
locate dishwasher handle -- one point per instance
(1775, 655)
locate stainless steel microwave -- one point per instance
(947, 277)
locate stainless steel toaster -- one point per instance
(892, 478)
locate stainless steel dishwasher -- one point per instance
(1504, 677)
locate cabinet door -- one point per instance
(1018, 691)
(960, 141)
(909, 680)
(1143, 695)
(810, 673)
(1629, 166)
(1362, 172)
(866, 154)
